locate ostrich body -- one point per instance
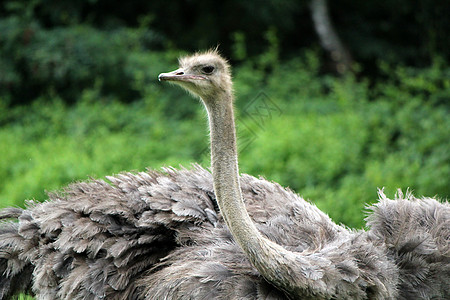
(190, 234)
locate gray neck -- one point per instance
(226, 173)
(272, 261)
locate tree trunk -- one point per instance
(329, 39)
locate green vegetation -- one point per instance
(333, 140)
(24, 297)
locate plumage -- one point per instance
(154, 251)
(416, 233)
(164, 235)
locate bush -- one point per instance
(64, 61)
(336, 140)
(332, 140)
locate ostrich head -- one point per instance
(206, 75)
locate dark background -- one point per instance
(65, 45)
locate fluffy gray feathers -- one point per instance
(159, 235)
(416, 233)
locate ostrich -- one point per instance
(190, 234)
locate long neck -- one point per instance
(272, 261)
(226, 174)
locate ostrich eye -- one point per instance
(207, 69)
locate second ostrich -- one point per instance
(190, 234)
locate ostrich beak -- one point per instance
(179, 75)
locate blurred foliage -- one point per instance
(64, 61)
(333, 140)
(62, 47)
(24, 297)
(338, 139)
(79, 96)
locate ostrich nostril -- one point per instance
(179, 73)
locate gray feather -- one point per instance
(159, 235)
